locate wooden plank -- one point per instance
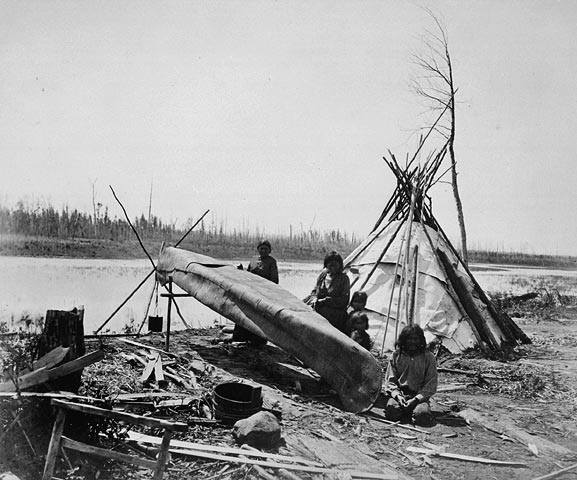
(28, 380)
(286, 466)
(108, 454)
(64, 395)
(148, 369)
(54, 446)
(142, 438)
(52, 358)
(159, 373)
(175, 402)
(76, 364)
(150, 395)
(162, 455)
(121, 416)
(148, 347)
(465, 458)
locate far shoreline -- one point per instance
(81, 248)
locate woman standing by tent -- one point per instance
(330, 296)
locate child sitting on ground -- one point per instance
(359, 324)
(411, 378)
(358, 321)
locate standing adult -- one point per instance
(264, 266)
(330, 296)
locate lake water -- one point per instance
(30, 286)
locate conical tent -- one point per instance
(412, 274)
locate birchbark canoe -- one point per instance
(270, 311)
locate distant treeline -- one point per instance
(45, 231)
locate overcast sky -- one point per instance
(278, 113)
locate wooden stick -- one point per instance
(556, 473)
(132, 226)
(109, 454)
(122, 416)
(466, 458)
(140, 437)
(162, 455)
(54, 445)
(125, 301)
(468, 372)
(191, 229)
(374, 416)
(149, 347)
(287, 466)
(413, 283)
(167, 341)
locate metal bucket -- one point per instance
(234, 401)
(154, 324)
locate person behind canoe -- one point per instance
(264, 266)
(330, 296)
(359, 324)
(357, 305)
(411, 378)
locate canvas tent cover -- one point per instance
(437, 307)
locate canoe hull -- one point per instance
(268, 310)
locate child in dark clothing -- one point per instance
(359, 324)
(358, 321)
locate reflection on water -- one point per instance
(30, 286)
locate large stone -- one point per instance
(261, 430)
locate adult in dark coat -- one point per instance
(330, 296)
(264, 266)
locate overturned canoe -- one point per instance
(268, 310)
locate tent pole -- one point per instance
(393, 292)
(408, 248)
(413, 284)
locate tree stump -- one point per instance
(66, 329)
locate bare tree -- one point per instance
(436, 86)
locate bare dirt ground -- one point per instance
(520, 409)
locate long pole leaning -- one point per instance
(149, 273)
(393, 292)
(408, 252)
